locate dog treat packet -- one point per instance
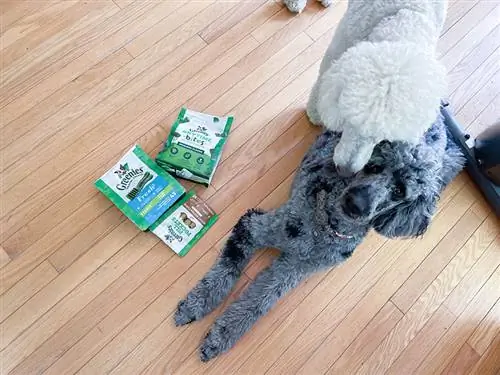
(194, 146)
(185, 223)
(139, 188)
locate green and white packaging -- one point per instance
(139, 188)
(185, 223)
(194, 146)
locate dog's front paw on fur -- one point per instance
(184, 315)
(215, 343)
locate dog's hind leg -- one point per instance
(269, 286)
(216, 285)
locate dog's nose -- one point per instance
(357, 203)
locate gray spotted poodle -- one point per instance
(319, 227)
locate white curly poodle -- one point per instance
(380, 77)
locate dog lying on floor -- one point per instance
(324, 220)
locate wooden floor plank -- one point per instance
(4, 257)
(47, 136)
(456, 11)
(445, 253)
(451, 342)
(241, 10)
(92, 279)
(36, 23)
(80, 193)
(480, 101)
(92, 233)
(51, 24)
(486, 118)
(423, 308)
(144, 298)
(474, 279)
(26, 288)
(367, 341)
(473, 37)
(490, 362)
(411, 357)
(17, 11)
(66, 48)
(475, 81)
(462, 363)
(46, 67)
(82, 290)
(460, 29)
(173, 344)
(240, 151)
(486, 331)
(68, 280)
(324, 24)
(464, 68)
(72, 331)
(183, 14)
(57, 235)
(62, 97)
(262, 163)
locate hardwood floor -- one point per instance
(83, 291)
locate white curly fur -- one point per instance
(380, 78)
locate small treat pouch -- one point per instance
(185, 223)
(194, 146)
(139, 188)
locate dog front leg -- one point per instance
(216, 285)
(269, 286)
(312, 105)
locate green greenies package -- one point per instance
(194, 145)
(139, 188)
(185, 223)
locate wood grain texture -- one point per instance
(486, 331)
(463, 362)
(83, 291)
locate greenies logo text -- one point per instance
(127, 175)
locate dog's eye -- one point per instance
(398, 191)
(371, 168)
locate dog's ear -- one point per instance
(409, 219)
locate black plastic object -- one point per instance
(487, 152)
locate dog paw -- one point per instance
(314, 117)
(216, 342)
(295, 6)
(326, 3)
(184, 315)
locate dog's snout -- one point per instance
(357, 202)
(344, 171)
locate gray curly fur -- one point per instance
(324, 220)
